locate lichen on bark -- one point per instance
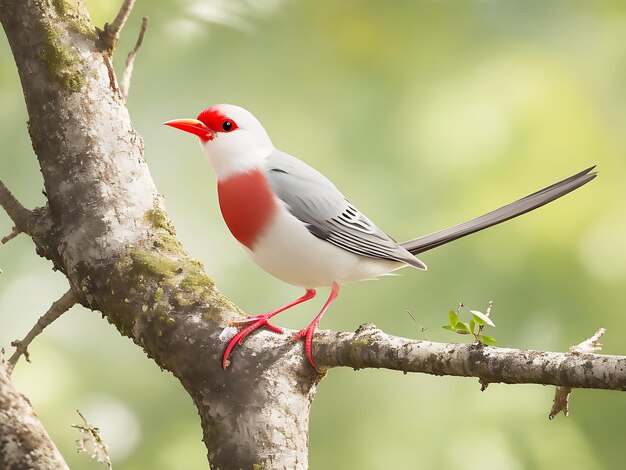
(62, 61)
(62, 58)
(76, 15)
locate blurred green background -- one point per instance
(425, 113)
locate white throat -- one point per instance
(228, 160)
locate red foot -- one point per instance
(308, 333)
(259, 321)
(310, 330)
(256, 318)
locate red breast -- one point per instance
(247, 204)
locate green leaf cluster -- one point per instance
(474, 327)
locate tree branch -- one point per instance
(58, 308)
(130, 60)
(21, 217)
(111, 33)
(369, 347)
(112, 239)
(110, 235)
(92, 443)
(11, 235)
(562, 393)
(24, 443)
(36, 223)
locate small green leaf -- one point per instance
(484, 318)
(448, 327)
(479, 321)
(472, 325)
(462, 328)
(487, 340)
(454, 318)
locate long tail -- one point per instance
(519, 207)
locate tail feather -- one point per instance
(519, 207)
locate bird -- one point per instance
(298, 226)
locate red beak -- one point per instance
(192, 126)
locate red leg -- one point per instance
(259, 321)
(309, 331)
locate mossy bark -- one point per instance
(24, 443)
(106, 229)
(109, 234)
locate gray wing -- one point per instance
(328, 215)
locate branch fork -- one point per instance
(110, 34)
(276, 384)
(562, 394)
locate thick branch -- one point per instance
(369, 347)
(24, 443)
(113, 240)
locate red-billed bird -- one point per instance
(296, 225)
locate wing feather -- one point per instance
(328, 215)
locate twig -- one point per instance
(57, 309)
(483, 382)
(21, 217)
(422, 329)
(14, 233)
(487, 313)
(591, 344)
(130, 59)
(111, 32)
(92, 443)
(562, 394)
(561, 402)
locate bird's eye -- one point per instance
(227, 125)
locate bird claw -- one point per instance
(300, 334)
(263, 320)
(253, 324)
(257, 318)
(307, 333)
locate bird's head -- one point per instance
(231, 137)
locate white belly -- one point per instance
(288, 251)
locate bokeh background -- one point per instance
(425, 113)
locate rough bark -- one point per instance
(106, 229)
(24, 443)
(370, 347)
(110, 236)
